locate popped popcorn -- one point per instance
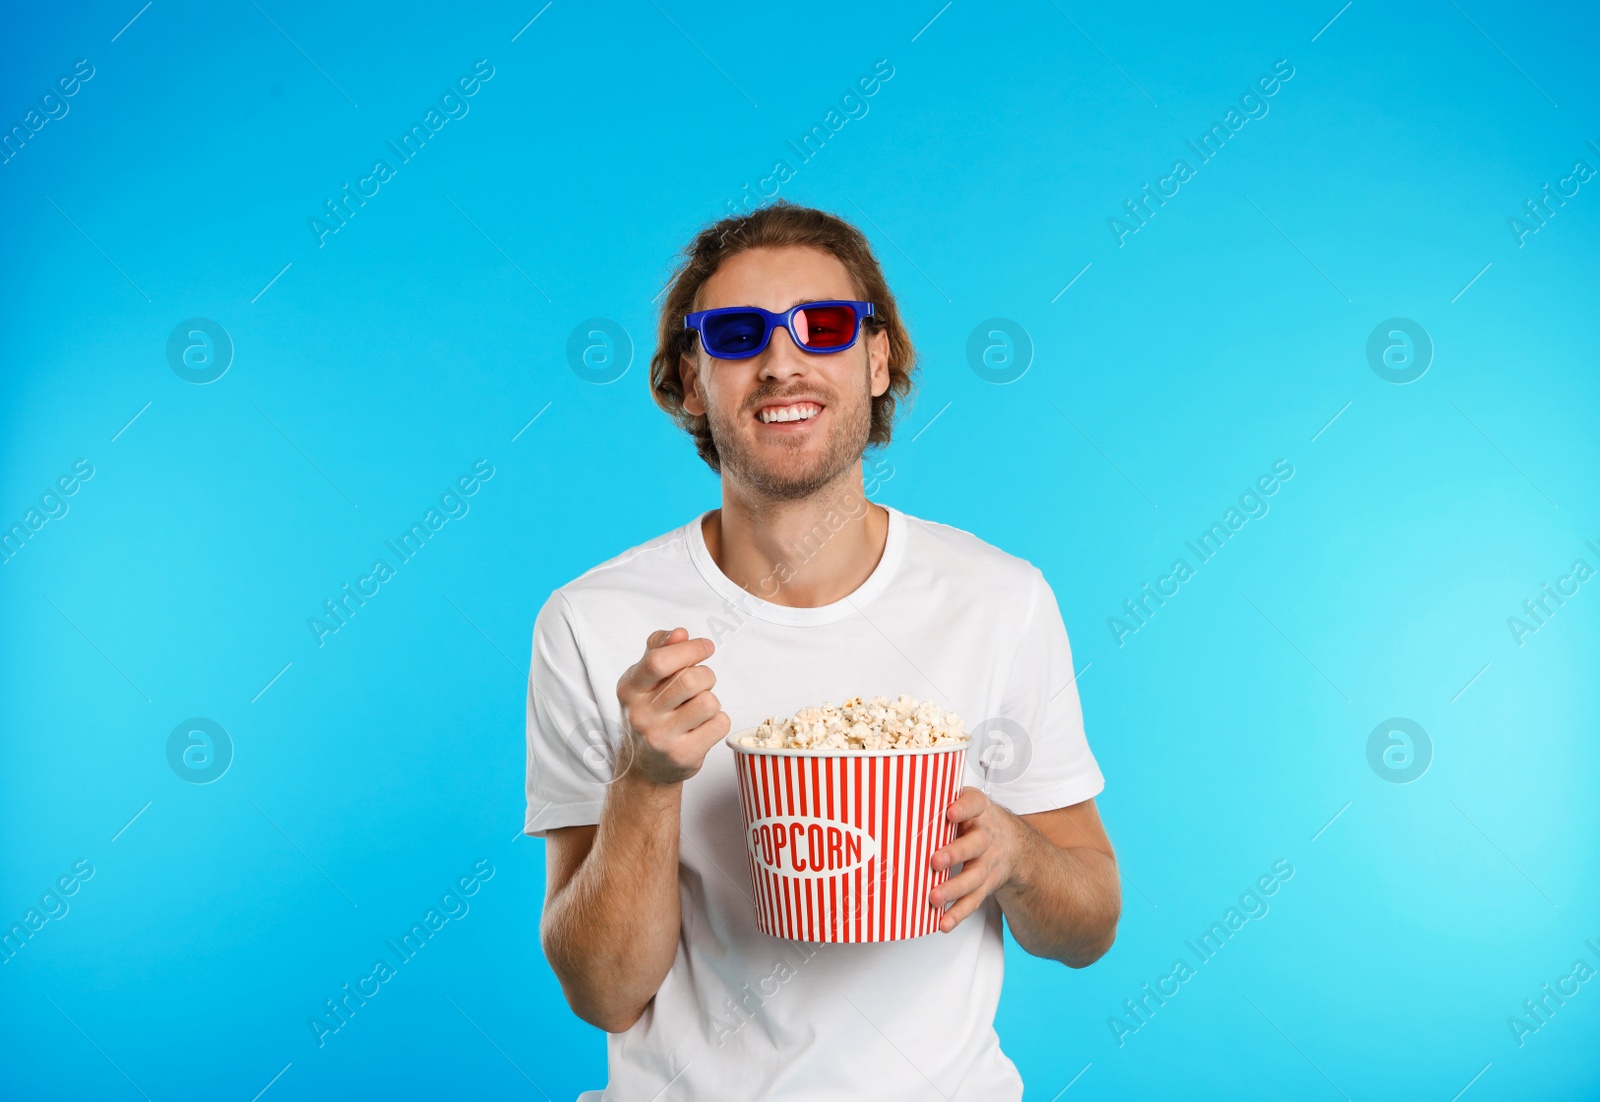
(878, 724)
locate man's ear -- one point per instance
(878, 357)
(689, 372)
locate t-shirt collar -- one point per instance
(750, 604)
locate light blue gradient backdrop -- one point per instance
(424, 335)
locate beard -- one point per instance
(785, 470)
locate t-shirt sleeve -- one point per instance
(1035, 756)
(570, 744)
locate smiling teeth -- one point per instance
(789, 413)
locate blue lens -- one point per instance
(734, 334)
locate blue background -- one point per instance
(371, 772)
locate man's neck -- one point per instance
(802, 554)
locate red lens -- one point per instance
(825, 326)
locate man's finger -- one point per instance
(666, 693)
(964, 907)
(964, 848)
(659, 663)
(663, 636)
(677, 698)
(674, 654)
(712, 731)
(970, 880)
(969, 805)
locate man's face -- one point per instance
(786, 460)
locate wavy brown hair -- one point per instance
(778, 225)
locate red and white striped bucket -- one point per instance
(839, 841)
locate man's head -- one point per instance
(774, 258)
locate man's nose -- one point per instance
(783, 356)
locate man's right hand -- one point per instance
(670, 719)
(612, 918)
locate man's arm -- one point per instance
(1064, 896)
(610, 923)
(611, 916)
(1053, 873)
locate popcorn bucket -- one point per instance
(839, 840)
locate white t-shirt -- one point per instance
(742, 1015)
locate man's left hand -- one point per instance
(985, 846)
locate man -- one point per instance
(797, 591)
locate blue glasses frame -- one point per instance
(696, 322)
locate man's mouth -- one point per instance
(792, 413)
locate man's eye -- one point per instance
(735, 333)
